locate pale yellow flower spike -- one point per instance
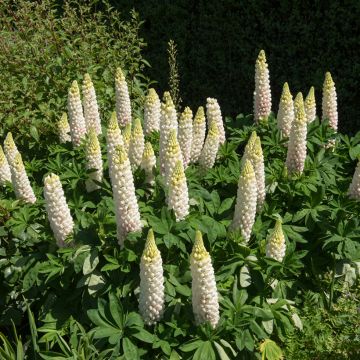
(199, 251)
(150, 251)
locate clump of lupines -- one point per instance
(152, 296)
(354, 189)
(93, 161)
(126, 206)
(245, 208)
(137, 142)
(76, 116)
(152, 112)
(126, 133)
(5, 174)
(57, 209)
(148, 162)
(209, 151)
(63, 129)
(10, 148)
(296, 153)
(178, 197)
(262, 93)
(198, 135)
(91, 110)
(329, 102)
(276, 246)
(213, 113)
(185, 135)
(113, 136)
(123, 104)
(172, 155)
(310, 105)
(205, 301)
(285, 115)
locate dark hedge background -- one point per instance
(218, 42)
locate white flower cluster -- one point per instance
(93, 161)
(123, 104)
(10, 148)
(211, 146)
(91, 110)
(198, 135)
(152, 112)
(185, 135)
(354, 189)
(310, 105)
(5, 174)
(113, 137)
(148, 162)
(126, 134)
(329, 102)
(276, 246)
(137, 143)
(63, 129)
(213, 114)
(285, 115)
(172, 155)
(57, 209)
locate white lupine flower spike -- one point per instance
(5, 174)
(276, 245)
(205, 301)
(152, 112)
(76, 116)
(354, 189)
(296, 154)
(285, 115)
(137, 143)
(148, 162)
(245, 208)
(10, 148)
(113, 137)
(91, 109)
(126, 134)
(58, 212)
(126, 206)
(178, 198)
(329, 102)
(213, 113)
(172, 155)
(262, 93)
(93, 161)
(185, 135)
(198, 136)
(152, 294)
(209, 151)
(63, 129)
(310, 105)
(123, 104)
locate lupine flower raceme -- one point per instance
(198, 135)
(210, 149)
(310, 105)
(93, 161)
(5, 174)
(329, 102)
(185, 135)
(57, 209)
(137, 142)
(213, 113)
(91, 110)
(123, 104)
(152, 112)
(148, 162)
(276, 246)
(63, 129)
(354, 189)
(126, 133)
(10, 148)
(172, 155)
(285, 115)
(113, 137)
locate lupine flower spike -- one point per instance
(205, 301)
(178, 198)
(198, 136)
(285, 115)
(137, 142)
(63, 129)
(113, 137)
(245, 208)
(93, 161)
(310, 105)
(329, 102)
(123, 104)
(91, 110)
(126, 206)
(185, 135)
(262, 94)
(354, 189)
(57, 209)
(76, 116)
(152, 295)
(10, 148)
(148, 162)
(152, 112)
(126, 133)
(276, 246)
(209, 151)
(296, 153)
(213, 113)
(172, 155)
(5, 174)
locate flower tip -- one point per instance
(199, 251)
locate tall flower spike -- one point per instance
(152, 294)
(63, 129)
(5, 174)
(185, 135)
(91, 110)
(209, 151)
(205, 301)
(113, 137)
(245, 208)
(198, 136)
(276, 246)
(354, 189)
(285, 115)
(152, 112)
(148, 162)
(93, 161)
(127, 136)
(20, 180)
(123, 104)
(10, 148)
(329, 102)
(172, 155)
(126, 206)
(296, 154)
(262, 94)
(76, 116)
(57, 209)
(178, 198)
(137, 142)
(310, 106)
(213, 113)
(168, 122)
